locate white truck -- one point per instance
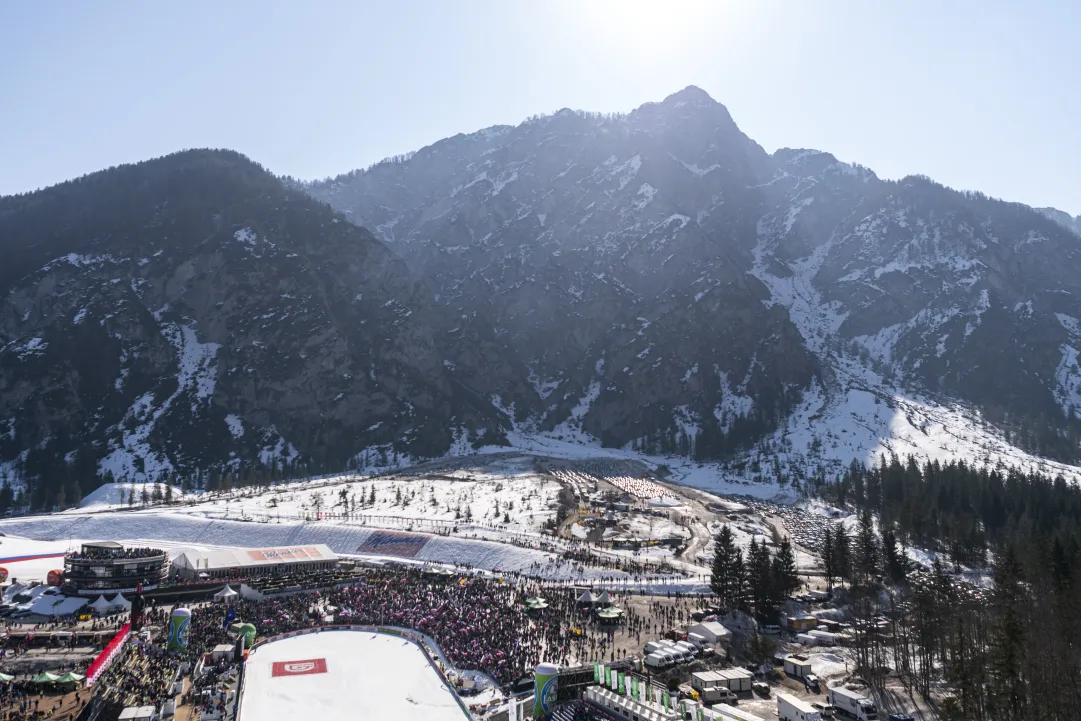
(852, 704)
(790, 708)
(718, 694)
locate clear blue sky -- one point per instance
(979, 95)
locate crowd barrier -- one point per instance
(110, 652)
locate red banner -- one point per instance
(299, 668)
(99, 664)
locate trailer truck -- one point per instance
(790, 708)
(852, 704)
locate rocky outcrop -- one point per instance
(190, 311)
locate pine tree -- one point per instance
(725, 580)
(760, 582)
(842, 550)
(169, 493)
(787, 576)
(829, 559)
(865, 560)
(894, 562)
(1007, 661)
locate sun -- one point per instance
(646, 27)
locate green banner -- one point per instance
(622, 683)
(634, 687)
(664, 700)
(700, 714)
(596, 673)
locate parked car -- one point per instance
(825, 709)
(771, 629)
(812, 681)
(761, 688)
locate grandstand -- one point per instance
(247, 563)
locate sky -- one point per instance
(977, 95)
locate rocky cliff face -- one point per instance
(610, 257)
(659, 273)
(655, 280)
(190, 311)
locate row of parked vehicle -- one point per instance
(665, 653)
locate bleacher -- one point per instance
(287, 583)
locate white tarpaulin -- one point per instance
(226, 594)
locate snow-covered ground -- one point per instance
(26, 559)
(179, 530)
(339, 675)
(116, 495)
(861, 415)
(506, 492)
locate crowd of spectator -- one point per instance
(94, 553)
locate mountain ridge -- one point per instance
(652, 281)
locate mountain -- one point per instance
(1063, 218)
(652, 280)
(610, 255)
(669, 285)
(188, 312)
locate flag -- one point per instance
(612, 679)
(664, 700)
(603, 680)
(596, 673)
(634, 687)
(622, 682)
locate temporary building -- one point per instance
(45, 677)
(5, 677)
(230, 563)
(56, 605)
(587, 597)
(605, 597)
(712, 631)
(226, 594)
(536, 603)
(70, 677)
(122, 602)
(101, 605)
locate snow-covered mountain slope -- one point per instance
(670, 286)
(190, 312)
(654, 283)
(1063, 218)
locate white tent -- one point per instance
(225, 594)
(604, 597)
(587, 597)
(122, 602)
(101, 605)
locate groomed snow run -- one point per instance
(368, 676)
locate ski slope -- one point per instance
(178, 530)
(343, 675)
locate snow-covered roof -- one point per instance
(713, 627)
(227, 558)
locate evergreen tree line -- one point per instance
(66, 484)
(1012, 653)
(959, 509)
(757, 584)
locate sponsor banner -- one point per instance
(298, 553)
(299, 668)
(393, 543)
